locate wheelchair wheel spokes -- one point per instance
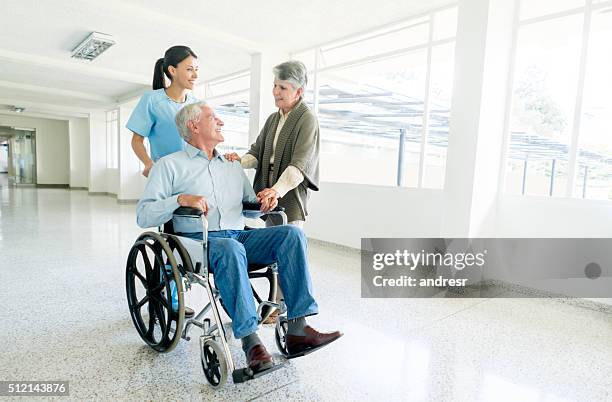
(137, 285)
(181, 255)
(151, 274)
(280, 334)
(141, 303)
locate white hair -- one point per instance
(191, 112)
(292, 71)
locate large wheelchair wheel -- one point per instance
(155, 292)
(181, 255)
(280, 335)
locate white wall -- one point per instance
(344, 213)
(52, 147)
(79, 152)
(130, 180)
(553, 217)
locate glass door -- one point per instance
(22, 150)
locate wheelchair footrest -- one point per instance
(307, 351)
(246, 374)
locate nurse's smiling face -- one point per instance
(185, 74)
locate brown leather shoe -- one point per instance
(259, 359)
(298, 345)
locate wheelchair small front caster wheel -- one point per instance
(214, 363)
(280, 334)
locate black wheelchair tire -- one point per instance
(156, 282)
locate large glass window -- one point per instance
(595, 139)
(561, 118)
(414, 33)
(230, 98)
(538, 8)
(440, 92)
(543, 105)
(383, 102)
(365, 111)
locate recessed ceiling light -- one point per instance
(93, 46)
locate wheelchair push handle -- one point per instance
(255, 206)
(187, 211)
(247, 206)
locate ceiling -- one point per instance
(36, 40)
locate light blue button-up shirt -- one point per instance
(224, 185)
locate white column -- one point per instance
(97, 152)
(131, 180)
(261, 101)
(482, 59)
(78, 131)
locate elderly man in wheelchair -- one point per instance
(203, 194)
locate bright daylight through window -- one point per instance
(561, 141)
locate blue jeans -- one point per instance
(230, 252)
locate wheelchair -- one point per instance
(162, 266)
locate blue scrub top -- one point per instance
(153, 118)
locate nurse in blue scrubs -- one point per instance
(153, 117)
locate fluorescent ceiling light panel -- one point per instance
(16, 109)
(93, 46)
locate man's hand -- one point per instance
(268, 198)
(147, 169)
(193, 201)
(233, 156)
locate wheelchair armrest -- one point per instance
(187, 211)
(191, 213)
(251, 210)
(255, 206)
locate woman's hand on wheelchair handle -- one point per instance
(232, 156)
(268, 198)
(193, 201)
(269, 204)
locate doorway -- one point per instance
(20, 147)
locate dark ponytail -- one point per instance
(172, 57)
(158, 74)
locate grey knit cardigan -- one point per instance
(297, 145)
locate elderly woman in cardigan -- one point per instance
(286, 152)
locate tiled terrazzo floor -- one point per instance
(64, 317)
